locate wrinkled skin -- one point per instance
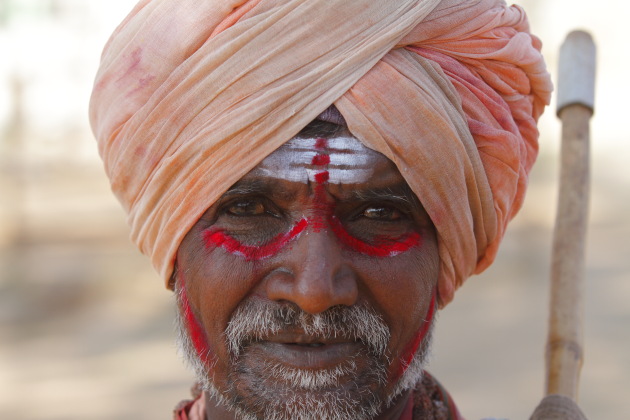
(292, 238)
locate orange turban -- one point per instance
(191, 95)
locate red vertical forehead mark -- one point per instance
(219, 238)
(412, 347)
(321, 143)
(320, 160)
(322, 207)
(321, 178)
(195, 330)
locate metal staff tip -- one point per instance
(576, 73)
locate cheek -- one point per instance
(405, 290)
(212, 285)
(414, 344)
(195, 330)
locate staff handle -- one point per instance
(575, 108)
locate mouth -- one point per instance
(307, 352)
(310, 345)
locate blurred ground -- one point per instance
(86, 328)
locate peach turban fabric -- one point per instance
(191, 95)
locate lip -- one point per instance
(305, 352)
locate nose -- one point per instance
(314, 274)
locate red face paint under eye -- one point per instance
(415, 343)
(195, 330)
(249, 252)
(382, 248)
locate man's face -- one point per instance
(310, 285)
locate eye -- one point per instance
(246, 207)
(382, 213)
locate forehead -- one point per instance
(343, 159)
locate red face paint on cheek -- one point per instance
(219, 238)
(412, 347)
(383, 248)
(195, 330)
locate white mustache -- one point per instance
(255, 320)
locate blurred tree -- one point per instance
(16, 138)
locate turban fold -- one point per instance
(191, 95)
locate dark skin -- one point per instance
(316, 269)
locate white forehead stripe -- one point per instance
(335, 143)
(349, 161)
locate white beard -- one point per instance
(307, 395)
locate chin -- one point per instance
(353, 390)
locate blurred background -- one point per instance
(86, 327)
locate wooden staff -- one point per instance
(576, 92)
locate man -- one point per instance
(314, 179)
(326, 265)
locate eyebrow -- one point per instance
(270, 187)
(267, 187)
(400, 193)
(245, 187)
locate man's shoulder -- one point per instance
(431, 401)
